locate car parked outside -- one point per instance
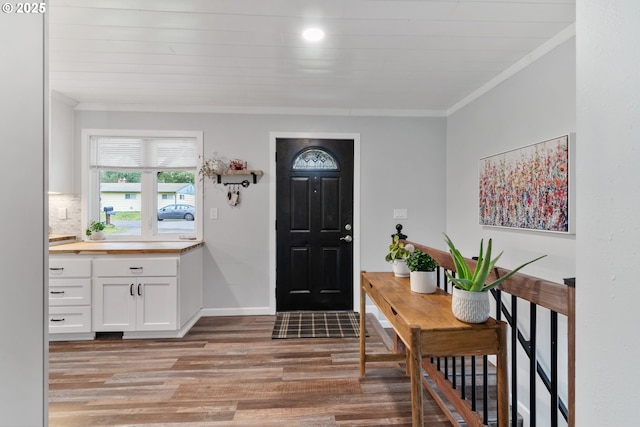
(177, 211)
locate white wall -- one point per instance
(534, 105)
(608, 124)
(22, 167)
(237, 244)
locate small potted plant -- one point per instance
(422, 272)
(470, 301)
(95, 230)
(397, 256)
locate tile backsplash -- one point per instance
(69, 205)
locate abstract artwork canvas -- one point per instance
(528, 188)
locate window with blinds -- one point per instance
(144, 153)
(143, 184)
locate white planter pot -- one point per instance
(399, 268)
(470, 307)
(423, 282)
(97, 235)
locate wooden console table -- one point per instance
(427, 327)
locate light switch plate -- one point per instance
(62, 213)
(400, 214)
(213, 213)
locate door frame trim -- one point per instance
(272, 207)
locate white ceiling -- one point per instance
(420, 56)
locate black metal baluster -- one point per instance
(485, 389)
(463, 378)
(514, 361)
(554, 369)
(474, 397)
(453, 373)
(446, 368)
(533, 361)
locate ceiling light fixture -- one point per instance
(313, 34)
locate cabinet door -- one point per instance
(157, 306)
(114, 304)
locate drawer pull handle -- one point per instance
(58, 320)
(139, 290)
(395, 313)
(56, 292)
(56, 268)
(131, 289)
(135, 268)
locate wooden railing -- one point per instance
(559, 299)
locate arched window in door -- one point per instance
(315, 159)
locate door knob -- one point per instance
(347, 239)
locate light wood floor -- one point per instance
(228, 372)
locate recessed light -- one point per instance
(313, 34)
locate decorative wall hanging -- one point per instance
(233, 193)
(216, 167)
(529, 188)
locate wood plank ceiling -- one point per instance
(378, 55)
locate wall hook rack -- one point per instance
(254, 173)
(244, 183)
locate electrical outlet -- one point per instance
(400, 214)
(213, 213)
(62, 213)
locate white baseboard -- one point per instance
(240, 311)
(73, 336)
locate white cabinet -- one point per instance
(156, 295)
(140, 304)
(61, 145)
(135, 294)
(69, 298)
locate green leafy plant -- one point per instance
(421, 261)
(475, 282)
(398, 250)
(95, 226)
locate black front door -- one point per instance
(314, 221)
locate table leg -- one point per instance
(415, 371)
(363, 318)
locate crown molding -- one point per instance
(352, 112)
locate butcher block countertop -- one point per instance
(61, 237)
(106, 247)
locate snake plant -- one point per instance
(475, 281)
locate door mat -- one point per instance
(316, 324)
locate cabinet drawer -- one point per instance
(69, 267)
(69, 292)
(135, 267)
(69, 319)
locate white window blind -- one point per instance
(118, 153)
